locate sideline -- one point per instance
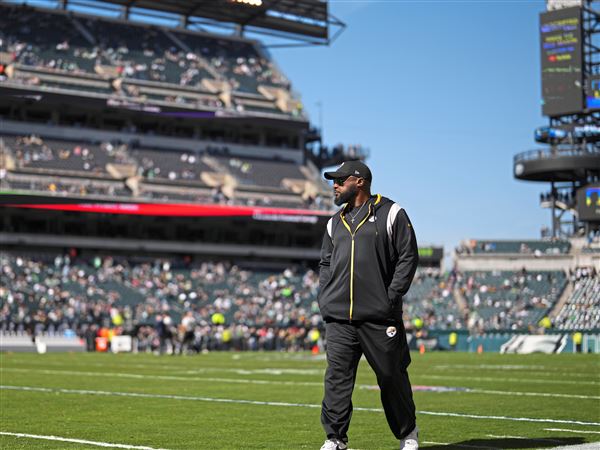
(78, 441)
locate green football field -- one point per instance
(272, 400)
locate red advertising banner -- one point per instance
(183, 209)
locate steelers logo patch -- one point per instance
(391, 331)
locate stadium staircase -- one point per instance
(563, 299)
(460, 300)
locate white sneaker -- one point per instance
(411, 442)
(334, 444)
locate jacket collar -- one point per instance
(375, 200)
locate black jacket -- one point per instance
(363, 275)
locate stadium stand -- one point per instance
(43, 293)
(256, 172)
(145, 62)
(164, 174)
(505, 300)
(172, 165)
(430, 299)
(232, 306)
(236, 60)
(33, 152)
(45, 40)
(582, 310)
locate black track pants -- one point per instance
(388, 356)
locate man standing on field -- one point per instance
(368, 260)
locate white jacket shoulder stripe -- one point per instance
(391, 218)
(329, 228)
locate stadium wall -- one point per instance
(512, 262)
(515, 262)
(143, 246)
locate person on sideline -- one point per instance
(369, 257)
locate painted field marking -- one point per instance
(514, 419)
(589, 446)
(77, 441)
(495, 379)
(537, 369)
(178, 369)
(278, 382)
(165, 377)
(320, 372)
(533, 394)
(572, 431)
(492, 366)
(267, 403)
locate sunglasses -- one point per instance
(340, 181)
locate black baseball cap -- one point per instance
(356, 168)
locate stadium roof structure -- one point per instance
(304, 21)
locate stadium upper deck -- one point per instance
(114, 60)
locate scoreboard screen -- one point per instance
(592, 98)
(562, 60)
(588, 203)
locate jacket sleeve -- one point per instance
(324, 263)
(404, 241)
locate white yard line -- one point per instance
(77, 441)
(514, 419)
(139, 376)
(275, 382)
(177, 369)
(267, 403)
(572, 431)
(500, 378)
(533, 394)
(539, 370)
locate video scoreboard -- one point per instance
(562, 61)
(588, 203)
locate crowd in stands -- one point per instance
(213, 305)
(122, 53)
(430, 301)
(50, 157)
(500, 300)
(169, 164)
(35, 152)
(582, 310)
(150, 300)
(178, 305)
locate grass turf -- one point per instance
(548, 387)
